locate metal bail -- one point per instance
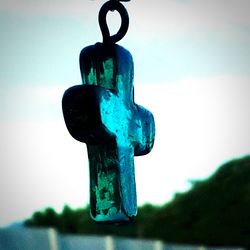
(111, 6)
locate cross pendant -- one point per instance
(102, 113)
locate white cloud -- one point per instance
(41, 165)
(55, 7)
(200, 123)
(180, 38)
(176, 17)
(38, 103)
(162, 15)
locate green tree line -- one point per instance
(214, 212)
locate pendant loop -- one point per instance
(111, 6)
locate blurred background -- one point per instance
(192, 71)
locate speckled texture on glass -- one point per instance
(101, 113)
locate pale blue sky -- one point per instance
(192, 70)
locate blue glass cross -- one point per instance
(102, 114)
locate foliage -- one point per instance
(78, 222)
(215, 211)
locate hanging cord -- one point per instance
(111, 6)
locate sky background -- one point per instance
(192, 71)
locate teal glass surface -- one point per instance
(102, 113)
